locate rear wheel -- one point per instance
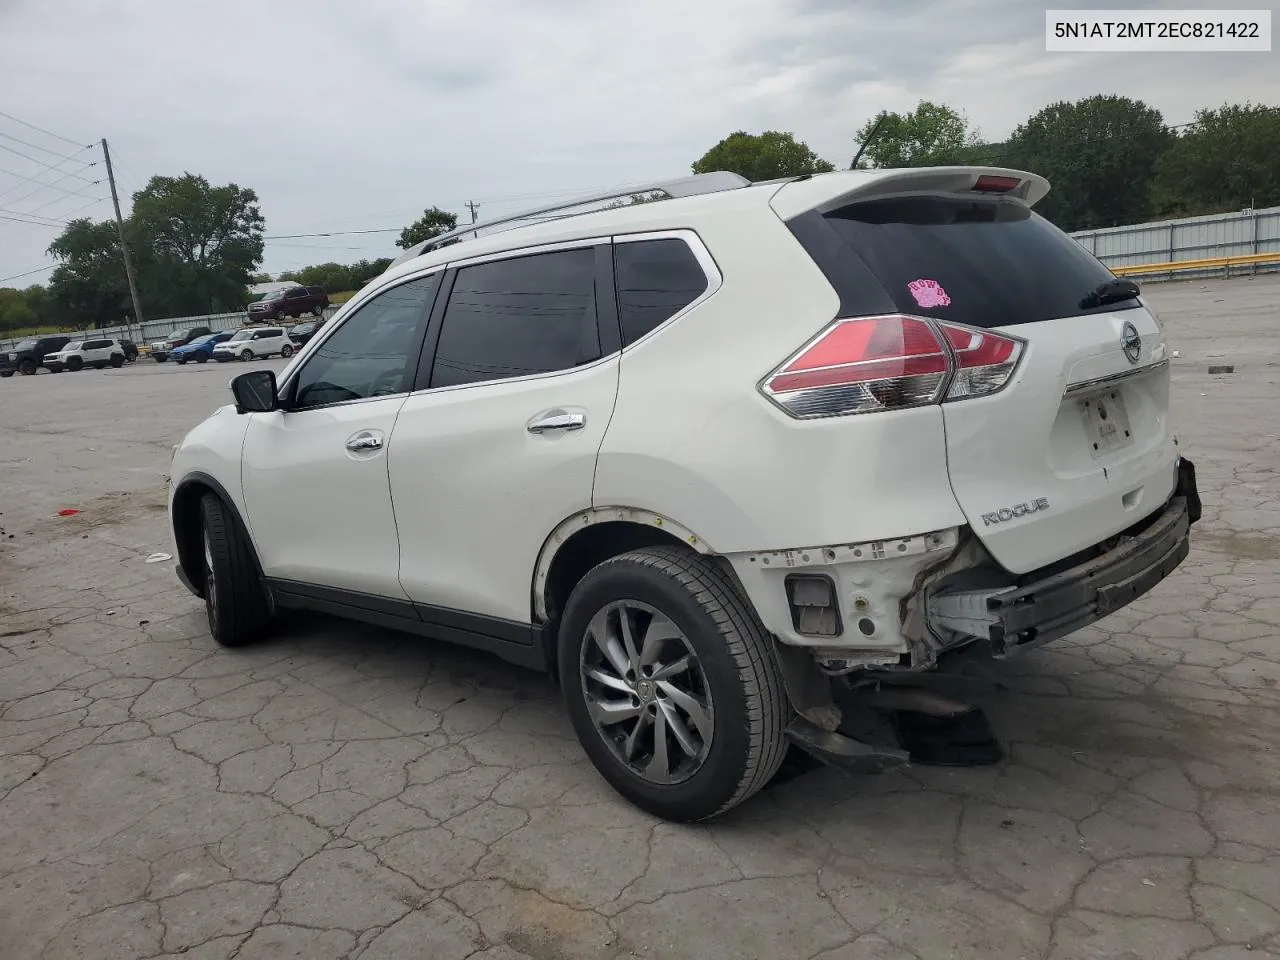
(6, 374)
(671, 684)
(286, 351)
(26, 368)
(75, 363)
(99, 364)
(160, 358)
(117, 360)
(179, 360)
(201, 358)
(316, 311)
(235, 602)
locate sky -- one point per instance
(348, 115)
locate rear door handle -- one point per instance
(364, 441)
(556, 420)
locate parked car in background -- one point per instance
(27, 356)
(161, 349)
(300, 333)
(254, 343)
(201, 348)
(130, 350)
(290, 302)
(79, 354)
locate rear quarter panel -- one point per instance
(694, 440)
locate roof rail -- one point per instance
(691, 186)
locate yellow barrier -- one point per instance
(1226, 263)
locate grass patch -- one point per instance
(343, 297)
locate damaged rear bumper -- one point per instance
(1046, 606)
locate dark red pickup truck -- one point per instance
(290, 302)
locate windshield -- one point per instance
(273, 295)
(199, 340)
(73, 345)
(241, 335)
(26, 344)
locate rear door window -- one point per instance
(656, 279)
(984, 262)
(512, 318)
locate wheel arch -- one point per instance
(590, 537)
(185, 514)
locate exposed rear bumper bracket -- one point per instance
(1017, 617)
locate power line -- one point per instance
(43, 221)
(19, 276)
(50, 133)
(36, 146)
(52, 184)
(46, 165)
(331, 233)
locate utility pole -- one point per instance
(473, 207)
(124, 244)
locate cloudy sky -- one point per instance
(356, 114)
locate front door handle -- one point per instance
(364, 441)
(556, 420)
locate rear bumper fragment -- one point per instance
(1044, 608)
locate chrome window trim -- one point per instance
(515, 253)
(710, 269)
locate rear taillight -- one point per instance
(989, 183)
(868, 364)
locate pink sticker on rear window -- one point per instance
(929, 293)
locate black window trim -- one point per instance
(710, 269)
(606, 316)
(285, 387)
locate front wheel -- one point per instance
(160, 358)
(246, 354)
(316, 311)
(286, 351)
(74, 364)
(671, 684)
(27, 368)
(201, 358)
(234, 600)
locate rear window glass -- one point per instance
(981, 262)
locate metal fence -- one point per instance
(1247, 233)
(152, 330)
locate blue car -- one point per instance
(201, 348)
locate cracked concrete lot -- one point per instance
(343, 792)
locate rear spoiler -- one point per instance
(828, 192)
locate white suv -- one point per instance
(79, 354)
(722, 462)
(254, 343)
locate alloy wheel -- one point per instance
(646, 692)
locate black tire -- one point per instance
(749, 704)
(117, 360)
(317, 311)
(27, 368)
(246, 354)
(99, 364)
(286, 351)
(74, 364)
(179, 360)
(160, 359)
(235, 602)
(201, 358)
(6, 374)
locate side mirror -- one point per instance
(255, 392)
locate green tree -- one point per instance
(206, 241)
(764, 156)
(931, 135)
(15, 311)
(432, 223)
(1226, 161)
(1099, 155)
(89, 288)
